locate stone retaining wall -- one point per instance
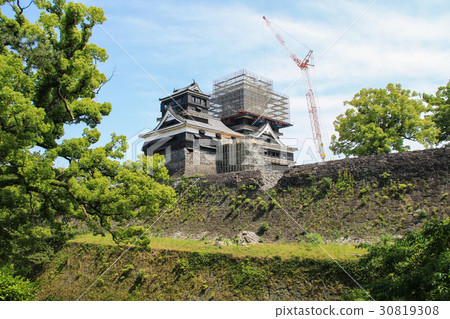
(432, 165)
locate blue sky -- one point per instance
(403, 41)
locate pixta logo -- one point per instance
(135, 145)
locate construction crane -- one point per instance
(310, 98)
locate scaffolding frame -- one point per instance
(246, 91)
(241, 156)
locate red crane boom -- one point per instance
(310, 98)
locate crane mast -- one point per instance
(310, 98)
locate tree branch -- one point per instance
(84, 211)
(23, 8)
(7, 231)
(67, 105)
(102, 84)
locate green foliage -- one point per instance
(379, 121)
(140, 274)
(263, 205)
(441, 111)
(314, 239)
(184, 268)
(356, 294)
(364, 190)
(422, 213)
(14, 288)
(345, 182)
(279, 234)
(249, 187)
(271, 193)
(264, 227)
(325, 184)
(385, 175)
(412, 268)
(249, 278)
(126, 271)
(49, 78)
(396, 189)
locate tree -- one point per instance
(441, 111)
(48, 79)
(379, 122)
(15, 288)
(415, 267)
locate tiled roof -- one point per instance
(213, 124)
(192, 87)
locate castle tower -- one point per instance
(187, 135)
(238, 130)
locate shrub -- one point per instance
(271, 193)
(385, 175)
(263, 205)
(411, 268)
(279, 235)
(14, 288)
(325, 184)
(264, 227)
(364, 190)
(314, 238)
(345, 182)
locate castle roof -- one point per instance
(192, 119)
(193, 87)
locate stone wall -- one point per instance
(262, 179)
(270, 178)
(235, 179)
(414, 188)
(175, 163)
(200, 161)
(432, 165)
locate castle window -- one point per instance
(197, 100)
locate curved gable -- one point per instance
(170, 115)
(267, 129)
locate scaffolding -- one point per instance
(241, 156)
(247, 91)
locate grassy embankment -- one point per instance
(287, 250)
(182, 269)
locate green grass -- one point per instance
(302, 250)
(94, 239)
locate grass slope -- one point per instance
(284, 251)
(180, 270)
